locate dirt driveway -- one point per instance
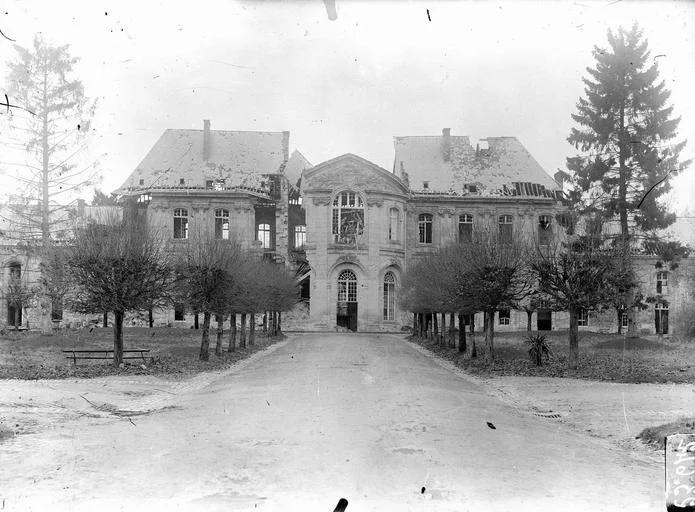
(298, 426)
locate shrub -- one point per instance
(539, 350)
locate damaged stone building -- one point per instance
(349, 228)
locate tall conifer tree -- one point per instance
(626, 137)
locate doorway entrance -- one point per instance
(661, 318)
(544, 320)
(346, 311)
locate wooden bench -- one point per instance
(105, 354)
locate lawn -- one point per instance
(606, 357)
(31, 355)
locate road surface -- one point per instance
(321, 417)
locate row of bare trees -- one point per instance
(487, 274)
(119, 265)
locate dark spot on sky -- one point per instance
(78, 127)
(422, 491)
(428, 19)
(341, 506)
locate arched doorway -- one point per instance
(347, 300)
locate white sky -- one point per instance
(381, 69)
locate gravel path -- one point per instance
(366, 417)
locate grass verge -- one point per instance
(656, 436)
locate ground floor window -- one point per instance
(661, 318)
(347, 286)
(504, 316)
(299, 237)
(623, 319)
(583, 317)
(389, 296)
(56, 309)
(178, 312)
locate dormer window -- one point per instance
(426, 185)
(208, 184)
(142, 181)
(182, 181)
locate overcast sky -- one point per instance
(380, 69)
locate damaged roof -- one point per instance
(295, 165)
(233, 159)
(451, 165)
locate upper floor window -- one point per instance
(544, 230)
(263, 235)
(394, 223)
(15, 270)
(348, 218)
(299, 237)
(180, 223)
(389, 296)
(465, 227)
(222, 224)
(662, 283)
(424, 225)
(505, 227)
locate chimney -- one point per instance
(206, 139)
(286, 145)
(446, 143)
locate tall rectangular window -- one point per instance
(263, 235)
(425, 228)
(389, 296)
(180, 223)
(505, 226)
(662, 283)
(222, 224)
(299, 237)
(394, 224)
(179, 313)
(544, 230)
(465, 227)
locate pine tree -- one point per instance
(46, 139)
(626, 138)
(52, 137)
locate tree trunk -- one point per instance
(420, 325)
(106, 319)
(220, 331)
(205, 338)
(242, 338)
(118, 338)
(265, 322)
(442, 330)
(620, 320)
(529, 314)
(252, 328)
(462, 333)
(279, 323)
(150, 317)
(489, 336)
(195, 321)
(232, 332)
(452, 336)
(573, 338)
(472, 319)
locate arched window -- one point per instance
(465, 227)
(263, 235)
(424, 225)
(394, 224)
(347, 286)
(180, 223)
(389, 296)
(348, 218)
(222, 224)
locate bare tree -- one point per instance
(209, 273)
(582, 273)
(117, 265)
